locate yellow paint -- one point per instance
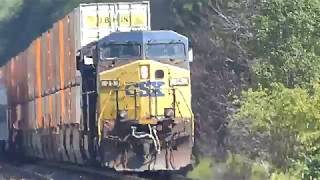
(136, 19)
(139, 19)
(146, 106)
(104, 21)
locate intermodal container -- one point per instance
(43, 82)
(96, 20)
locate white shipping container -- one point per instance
(94, 21)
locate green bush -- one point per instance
(291, 118)
(203, 170)
(235, 167)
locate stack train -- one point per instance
(101, 87)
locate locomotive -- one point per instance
(122, 101)
(142, 82)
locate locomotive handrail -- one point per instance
(152, 135)
(189, 109)
(100, 116)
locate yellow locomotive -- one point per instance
(137, 94)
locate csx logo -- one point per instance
(144, 89)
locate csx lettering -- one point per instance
(144, 89)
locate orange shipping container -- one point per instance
(49, 66)
(51, 109)
(13, 75)
(25, 116)
(56, 55)
(30, 70)
(31, 115)
(46, 113)
(76, 111)
(18, 72)
(67, 57)
(67, 106)
(39, 112)
(44, 62)
(58, 119)
(24, 74)
(72, 50)
(38, 68)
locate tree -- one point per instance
(219, 30)
(22, 21)
(285, 106)
(287, 42)
(291, 118)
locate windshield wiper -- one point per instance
(176, 61)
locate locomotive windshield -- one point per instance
(120, 51)
(165, 51)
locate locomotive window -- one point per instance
(166, 51)
(159, 74)
(121, 51)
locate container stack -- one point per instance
(44, 87)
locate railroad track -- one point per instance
(111, 174)
(44, 170)
(40, 170)
(102, 173)
(12, 172)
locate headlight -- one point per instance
(168, 112)
(123, 114)
(179, 81)
(144, 72)
(110, 83)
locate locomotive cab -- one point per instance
(143, 86)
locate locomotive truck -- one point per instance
(101, 87)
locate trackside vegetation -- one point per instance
(285, 103)
(281, 106)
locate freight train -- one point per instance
(101, 87)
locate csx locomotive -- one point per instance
(99, 87)
(137, 88)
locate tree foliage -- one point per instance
(285, 107)
(25, 20)
(287, 42)
(219, 30)
(290, 116)
(9, 8)
(236, 166)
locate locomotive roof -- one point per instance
(144, 37)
